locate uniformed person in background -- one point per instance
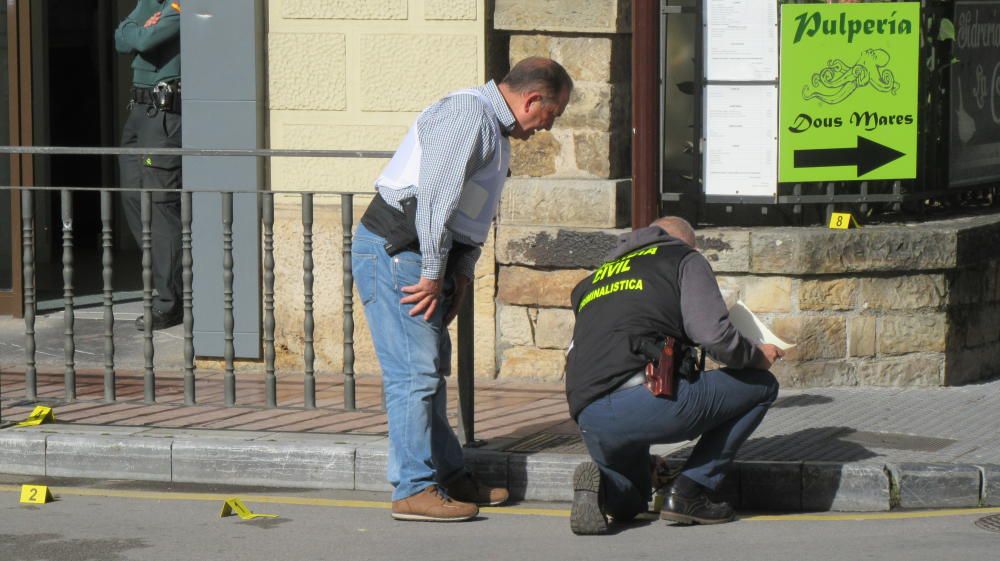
(151, 34)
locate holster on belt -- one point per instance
(399, 228)
(668, 359)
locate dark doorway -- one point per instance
(79, 92)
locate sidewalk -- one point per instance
(848, 449)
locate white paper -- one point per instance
(741, 40)
(741, 140)
(752, 328)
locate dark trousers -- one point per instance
(159, 129)
(722, 406)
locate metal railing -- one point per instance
(266, 212)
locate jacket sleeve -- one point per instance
(132, 37)
(706, 318)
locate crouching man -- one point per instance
(654, 287)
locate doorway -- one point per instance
(77, 88)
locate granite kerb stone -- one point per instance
(22, 453)
(108, 457)
(853, 487)
(925, 485)
(771, 485)
(991, 484)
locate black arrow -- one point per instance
(867, 156)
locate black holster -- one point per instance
(399, 228)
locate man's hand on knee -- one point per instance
(424, 296)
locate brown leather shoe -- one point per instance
(433, 505)
(465, 487)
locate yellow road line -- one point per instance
(344, 503)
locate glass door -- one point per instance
(13, 117)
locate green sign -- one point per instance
(848, 91)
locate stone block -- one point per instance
(773, 486)
(844, 487)
(602, 154)
(824, 295)
(913, 333)
(22, 452)
(731, 289)
(344, 9)
(991, 485)
(586, 59)
(307, 71)
(406, 72)
(535, 157)
(814, 336)
(554, 329)
(554, 247)
(861, 335)
(370, 468)
(584, 203)
(727, 250)
(532, 363)
(937, 485)
(542, 477)
(593, 105)
(815, 373)
(451, 10)
(516, 325)
(767, 294)
(262, 462)
(108, 457)
(903, 293)
(970, 285)
(595, 16)
(530, 287)
(920, 370)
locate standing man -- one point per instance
(151, 34)
(655, 285)
(413, 256)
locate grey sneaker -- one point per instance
(587, 516)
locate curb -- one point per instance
(358, 462)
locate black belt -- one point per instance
(146, 96)
(632, 381)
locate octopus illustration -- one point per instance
(837, 81)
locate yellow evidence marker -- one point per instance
(235, 505)
(39, 415)
(35, 494)
(843, 221)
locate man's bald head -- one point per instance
(677, 227)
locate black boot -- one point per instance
(689, 504)
(161, 320)
(587, 517)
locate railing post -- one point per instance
(309, 356)
(347, 224)
(187, 278)
(146, 218)
(467, 369)
(28, 244)
(270, 382)
(227, 280)
(107, 269)
(69, 349)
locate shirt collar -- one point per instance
(504, 115)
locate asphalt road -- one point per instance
(118, 521)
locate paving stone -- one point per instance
(108, 457)
(991, 484)
(771, 486)
(542, 477)
(273, 463)
(937, 485)
(370, 465)
(844, 487)
(22, 452)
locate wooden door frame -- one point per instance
(21, 166)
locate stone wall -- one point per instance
(899, 305)
(565, 188)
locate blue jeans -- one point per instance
(415, 356)
(722, 406)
